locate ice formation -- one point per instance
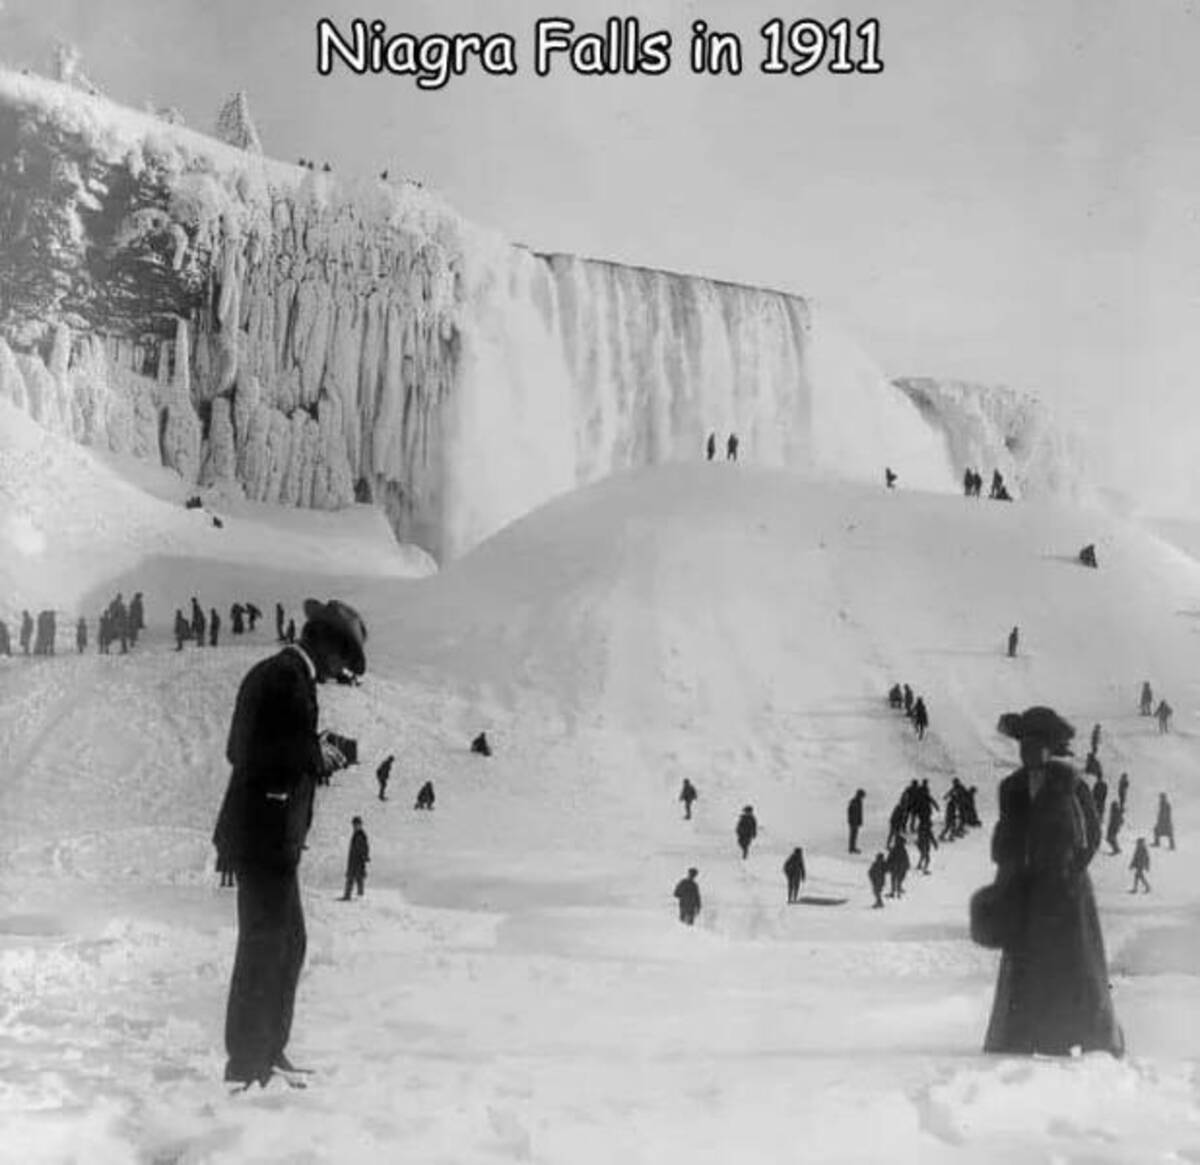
(311, 340)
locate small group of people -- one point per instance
(731, 447)
(243, 617)
(117, 624)
(201, 629)
(901, 697)
(973, 485)
(1162, 713)
(41, 643)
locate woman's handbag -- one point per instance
(998, 913)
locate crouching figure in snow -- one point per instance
(1052, 992)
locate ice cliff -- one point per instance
(309, 340)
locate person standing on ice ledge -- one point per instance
(1052, 992)
(277, 757)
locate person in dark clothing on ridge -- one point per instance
(1115, 820)
(383, 775)
(854, 819)
(214, 627)
(1014, 637)
(425, 797)
(710, 447)
(688, 795)
(1163, 826)
(26, 633)
(276, 756)
(746, 831)
(877, 875)
(357, 859)
(794, 871)
(1140, 866)
(688, 894)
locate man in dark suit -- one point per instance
(277, 757)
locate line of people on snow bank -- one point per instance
(901, 696)
(202, 629)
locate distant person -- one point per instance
(1123, 790)
(81, 635)
(968, 481)
(1095, 738)
(1163, 714)
(731, 447)
(1087, 556)
(1013, 638)
(253, 614)
(710, 447)
(1092, 766)
(688, 795)
(687, 892)
(889, 477)
(236, 619)
(970, 807)
(1115, 820)
(357, 859)
(926, 844)
(1100, 795)
(1140, 866)
(425, 797)
(383, 775)
(997, 484)
(793, 870)
(908, 700)
(746, 831)
(183, 630)
(137, 618)
(225, 869)
(1146, 704)
(877, 875)
(1163, 826)
(198, 624)
(1052, 991)
(480, 745)
(26, 633)
(290, 633)
(895, 697)
(5, 640)
(920, 718)
(854, 819)
(280, 633)
(214, 627)
(898, 865)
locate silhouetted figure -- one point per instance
(897, 867)
(688, 795)
(214, 627)
(183, 630)
(1140, 866)
(1163, 826)
(970, 808)
(118, 623)
(480, 745)
(997, 484)
(1116, 818)
(746, 831)
(877, 875)
(731, 448)
(198, 625)
(895, 697)
(279, 631)
(1092, 766)
(897, 821)
(710, 447)
(383, 775)
(1013, 638)
(1100, 795)
(327, 168)
(357, 859)
(253, 614)
(1163, 715)
(908, 700)
(1087, 556)
(926, 843)
(425, 797)
(5, 640)
(854, 819)
(1146, 704)
(889, 477)
(920, 718)
(137, 618)
(290, 633)
(968, 482)
(688, 894)
(1122, 790)
(217, 522)
(383, 175)
(26, 633)
(81, 635)
(1095, 738)
(793, 870)
(236, 623)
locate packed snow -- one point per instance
(514, 986)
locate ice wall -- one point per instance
(308, 340)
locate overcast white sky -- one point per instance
(1016, 197)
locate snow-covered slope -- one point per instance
(313, 338)
(514, 985)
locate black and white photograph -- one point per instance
(588, 585)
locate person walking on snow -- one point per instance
(1140, 866)
(889, 477)
(81, 635)
(137, 618)
(731, 447)
(357, 859)
(854, 819)
(877, 875)
(688, 895)
(898, 865)
(1115, 820)
(793, 870)
(383, 775)
(920, 718)
(425, 797)
(183, 630)
(926, 842)
(1013, 638)
(1163, 826)
(26, 632)
(214, 627)
(1146, 703)
(1163, 713)
(747, 830)
(1100, 795)
(687, 794)
(1123, 790)
(711, 447)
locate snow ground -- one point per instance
(514, 986)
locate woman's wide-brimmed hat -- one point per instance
(1041, 724)
(346, 621)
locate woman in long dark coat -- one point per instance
(1052, 992)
